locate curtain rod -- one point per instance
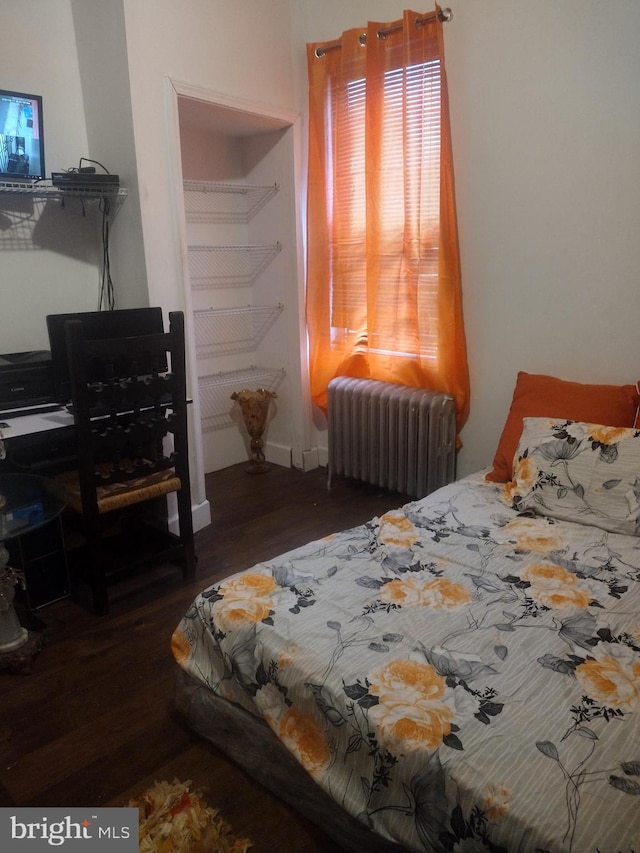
(444, 15)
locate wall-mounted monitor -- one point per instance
(21, 137)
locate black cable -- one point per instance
(86, 160)
(107, 296)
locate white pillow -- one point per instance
(585, 473)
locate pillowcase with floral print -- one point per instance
(585, 473)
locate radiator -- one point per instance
(393, 436)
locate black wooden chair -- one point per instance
(130, 410)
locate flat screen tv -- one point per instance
(97, 326)
(21, 137)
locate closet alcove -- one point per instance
(238, 191)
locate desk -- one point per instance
(35, 423)
(38, 443)
(26, 503)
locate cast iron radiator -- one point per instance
(393, 436)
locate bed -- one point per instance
(459, 674)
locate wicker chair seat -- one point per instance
(115, 495)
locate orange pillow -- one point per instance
(547, 397)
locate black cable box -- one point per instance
(84, 180)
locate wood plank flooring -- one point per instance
(92, 723)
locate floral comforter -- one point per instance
(456, 675)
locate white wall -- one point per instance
(104, 77)
(545, 111)
(240, 49)
(48, 255)
(546, 121)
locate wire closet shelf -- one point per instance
(210, 201)
(224, 331)
(211, 267)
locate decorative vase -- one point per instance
(254, 406)
(12, 634)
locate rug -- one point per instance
(176, 819)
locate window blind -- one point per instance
(409, 186)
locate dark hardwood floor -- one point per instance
(92, 723)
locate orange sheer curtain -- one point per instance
(383, 272)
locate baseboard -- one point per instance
(282, 454)
(278, 454)
(310, 460)
(201, 514)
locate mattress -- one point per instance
(454, 675)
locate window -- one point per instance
(383, 281)
(410, 144)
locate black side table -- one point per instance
(27, 501)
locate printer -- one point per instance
(25, 380)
